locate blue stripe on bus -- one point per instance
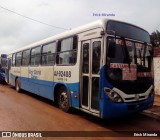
(46, 88)
(108, 109)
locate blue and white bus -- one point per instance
(3, 61)
(103, 68)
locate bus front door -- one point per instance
(91, 62)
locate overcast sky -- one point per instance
(16, 31)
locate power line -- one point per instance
(32, 18)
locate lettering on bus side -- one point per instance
(66, 74)
(62, 75)
(34, 73)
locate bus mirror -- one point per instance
(111, 32)
(111, 49)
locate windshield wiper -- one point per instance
(126, 54)
(144, 52)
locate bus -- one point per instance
(3, 60)
(103, 68)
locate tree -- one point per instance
(155, 38)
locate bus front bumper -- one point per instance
(110, 109)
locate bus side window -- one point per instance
(67, 54)
(35, 56)
(13, 59)
(26, 58)
(18, 58)
(48, 54)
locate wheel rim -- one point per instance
(63, 100)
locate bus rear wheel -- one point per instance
(18, 86)
(63, 99)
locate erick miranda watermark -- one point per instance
(145, 134)
(103, 14)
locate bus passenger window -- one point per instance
(14, 59)
(48, 54)
(35, 56)
(18, 58)
(68, 52)
(26, 58)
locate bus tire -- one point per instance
(63, 99)
(18, 89)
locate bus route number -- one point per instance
(62, 73)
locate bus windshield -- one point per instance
(132, 52)
(128, 31)
(130, 63)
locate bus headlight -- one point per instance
(115, 97)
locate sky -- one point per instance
(17, 31)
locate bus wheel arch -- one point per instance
(17, 85)
(62, 97)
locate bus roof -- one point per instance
(96, 24)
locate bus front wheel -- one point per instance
(18, 86)
(63, 99)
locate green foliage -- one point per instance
(155, 38)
